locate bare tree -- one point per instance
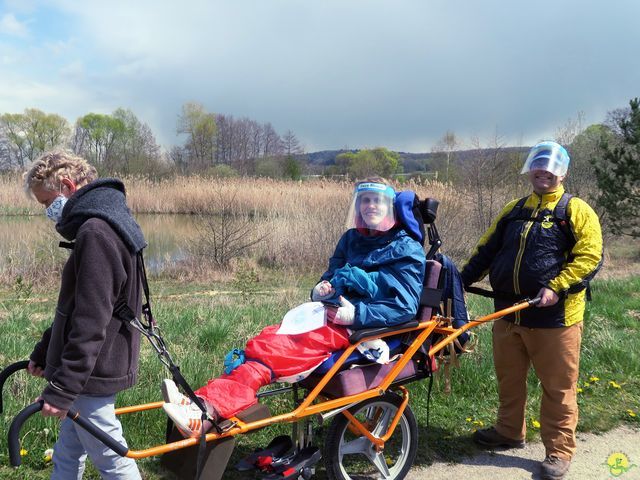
(487, 179)
(447, 146)
(224, 233)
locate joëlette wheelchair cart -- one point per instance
(372, 433)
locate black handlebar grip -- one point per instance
(14, 431)
(6, 373)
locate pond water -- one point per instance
(167, 236)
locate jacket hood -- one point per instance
(104, 199)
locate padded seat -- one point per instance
(360, 379)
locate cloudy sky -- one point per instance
(338, 73)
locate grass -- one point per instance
(200, 327)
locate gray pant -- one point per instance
(74, 443)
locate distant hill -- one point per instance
(411, 162)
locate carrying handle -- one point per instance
(6, 373)
(14, 432)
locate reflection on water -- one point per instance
(167, 236)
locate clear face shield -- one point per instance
(372, 207)
(548, 156)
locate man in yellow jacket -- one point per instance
(547, 245)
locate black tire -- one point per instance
(350, 456)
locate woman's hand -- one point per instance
(344, 315)
(322, 291)
(34, 369)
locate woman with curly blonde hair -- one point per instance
(87, 355)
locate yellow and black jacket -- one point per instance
(531, 250)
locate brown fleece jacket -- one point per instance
(87, 350)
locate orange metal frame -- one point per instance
(435, 325)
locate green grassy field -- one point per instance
(202, 322)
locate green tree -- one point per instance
(366, 163)
(31, 133)
(618, 174)
(584, 148)
(200, 128)
(96, 139)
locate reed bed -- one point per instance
(295, 225)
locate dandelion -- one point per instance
(614, 384)
(478, 423)
(594, 379)
(468, 419)
(631, 413)
(587, 384)
(48, 455)
(23, 452)
(580, 390)
(535, 423)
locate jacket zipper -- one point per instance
(523, 240)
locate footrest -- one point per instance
(265, 456)
(294, 466)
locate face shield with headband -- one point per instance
(548, 156)
(372, 207)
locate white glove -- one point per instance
(322, 291)
(346, 314)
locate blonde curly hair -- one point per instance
(50, 168)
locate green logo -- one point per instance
(547, 221)
(618, 464)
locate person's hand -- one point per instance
(322, 291)
(49, 410)
(346, 314)
(547, 297)
(34, 369)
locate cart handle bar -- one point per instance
(14, 432)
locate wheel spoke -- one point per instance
(378, 460)
(383, 423)
(360, 445)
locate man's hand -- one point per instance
(322, 291)
(547, 297)
(346, 313)
(49, 410)
(34, 369)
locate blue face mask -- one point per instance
(54, 211)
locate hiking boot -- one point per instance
(489, 437)
(554, 468)
(171, 394)
(187, 418)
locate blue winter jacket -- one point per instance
(394, 261)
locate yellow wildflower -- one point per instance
(614, 384)
(48, 455)
(580, 390)
(23, 452)
(587, 384)
(479, 423)
(468, 419)
(631, 413)
(535, 423)
(594, 379)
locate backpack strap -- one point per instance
(561, 217)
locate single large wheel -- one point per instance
(351, 456)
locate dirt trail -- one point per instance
(590, 462)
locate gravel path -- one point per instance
(590, 462)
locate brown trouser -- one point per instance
(555, 356)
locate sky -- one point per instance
(338, 73)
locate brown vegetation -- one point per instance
(284, 224)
